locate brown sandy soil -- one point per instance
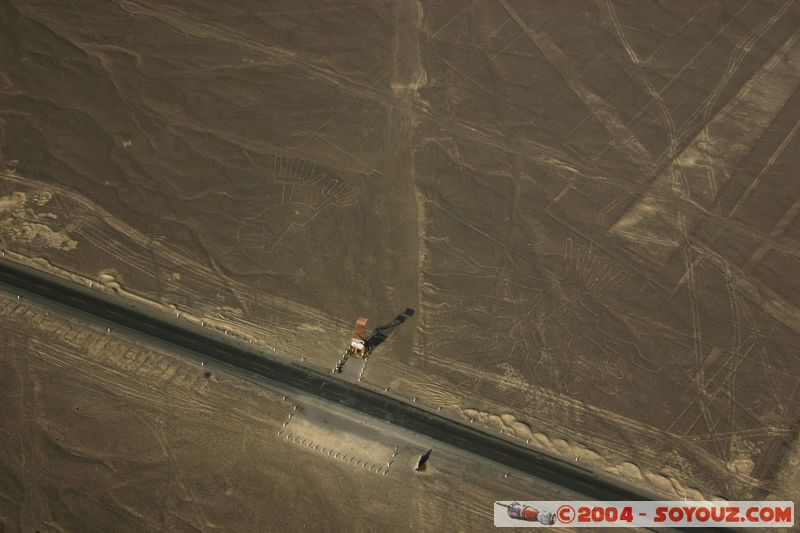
(103, 433)
(787, 486)
(592, 209)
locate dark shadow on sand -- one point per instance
(381, 333)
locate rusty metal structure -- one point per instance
(358, 341)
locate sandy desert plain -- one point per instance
(591, 208)
(105, 433)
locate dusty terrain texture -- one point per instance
(591, 207)
(104, 433)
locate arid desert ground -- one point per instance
(586, 214)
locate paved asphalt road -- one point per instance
(18, 279)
